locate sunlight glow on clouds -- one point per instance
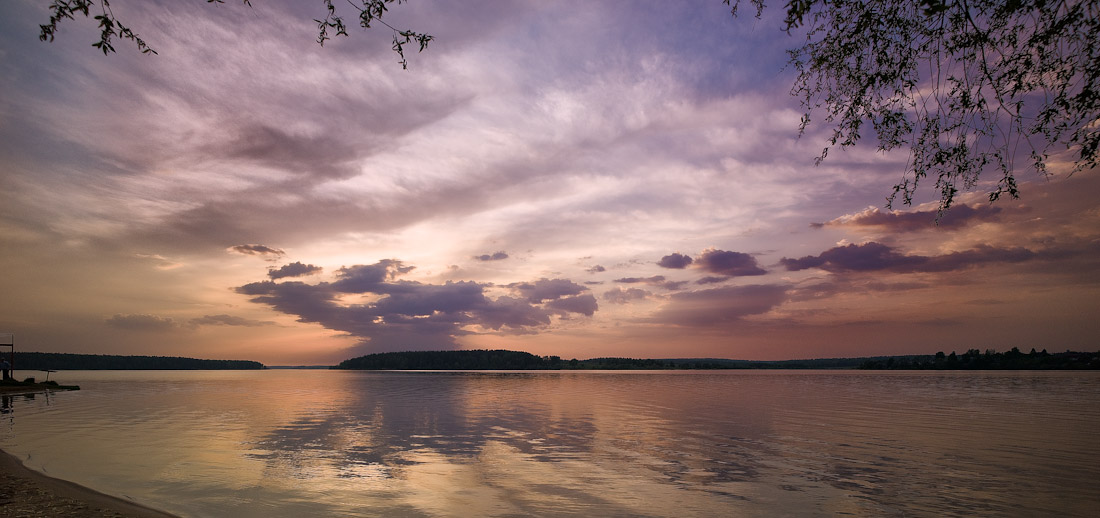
(570, 178)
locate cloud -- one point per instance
(729, 264)
(873, 256)
(367, 278)
(228, 320)
(495, 256)
(163, 263)
(596, 269)
(268, 253)
(295, 269)
(547, 289)
(719, 306)
(897, 221)
(712, 279)
(656, 280)
(409, 314)
(142, 322)
(618, 295)
(675, 260)
(582, 304)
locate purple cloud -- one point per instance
(874, 256)
(719, 306)
(268, 253)
(367, 278)
(547, 289)
(675, 260)
(620, 296)
(410, 314)
(656, 279)
(896, 221)
(582, 304)
(495, 256)
(295, 269)
(729, 264)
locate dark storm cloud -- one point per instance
(620, 296)
(271, 254)
(720, 306)
(897, 221)
(295, 269)
(729, 264)
(675, 260)
(409, 314)
(228, 320)
(495, 256)
(547, 289)
(142, 322)
(874, 256)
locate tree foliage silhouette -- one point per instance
(369, 12)
(966, 85)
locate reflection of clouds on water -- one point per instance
(739, 444)
(515, 443)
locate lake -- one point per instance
(289, 443)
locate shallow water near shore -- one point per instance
(721, 443)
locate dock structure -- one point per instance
(8, 340)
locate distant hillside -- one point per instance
(73, 362)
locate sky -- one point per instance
(581, 179)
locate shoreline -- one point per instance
(26, 492)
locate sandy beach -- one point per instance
(25, 493)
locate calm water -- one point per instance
(729, 443)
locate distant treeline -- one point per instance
(517, 360)
(500, 359)
(974, 359)
(64, 361)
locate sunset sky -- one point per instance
(581, 179)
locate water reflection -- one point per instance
(576, 444)
(538, 444)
